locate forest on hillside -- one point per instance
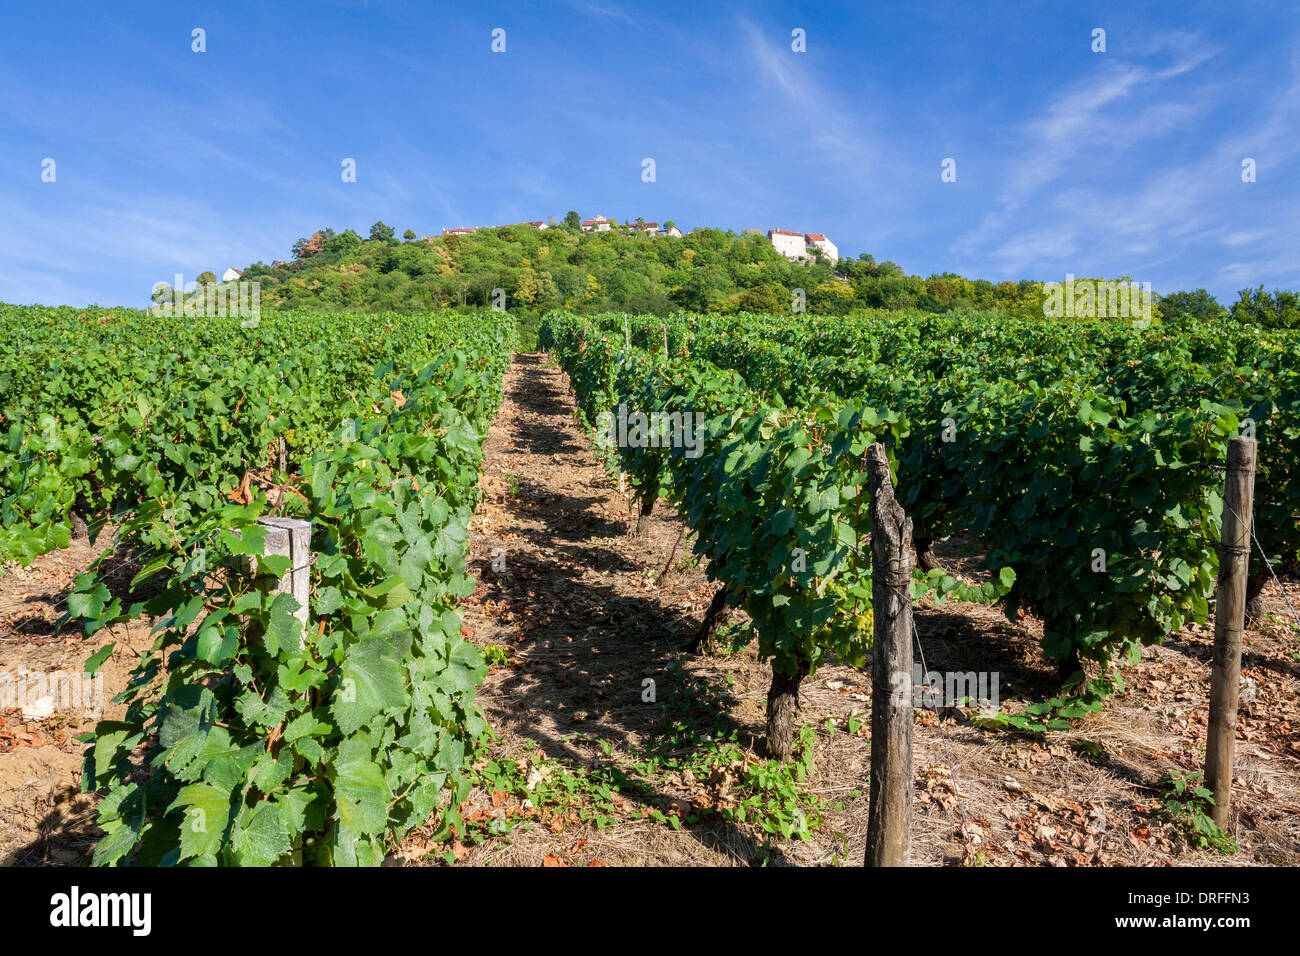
(706, 270)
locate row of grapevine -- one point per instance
(246, 741)
(99, 412)
(776, 496)
(1071, 446)
(1078, 456)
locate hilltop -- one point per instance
(706, 270)
(644, 271)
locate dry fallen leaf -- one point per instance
(240, 495)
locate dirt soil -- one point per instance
(584, 612)
(45, 705)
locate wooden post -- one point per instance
(889, 811)
(627, 334)
(291, 537)
(665, 341)
(284, 456)
(1229, 622)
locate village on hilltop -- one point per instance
(795, 246)
(792, 245)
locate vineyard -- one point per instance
(1080, 459)
(315, 750)
(1064, 480)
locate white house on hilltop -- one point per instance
(798, 245)
(789, 244)
(231, 275)
(599, 224)
(817, 241)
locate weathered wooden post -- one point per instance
(1229, 622)
(627, 334)
(889, 812)
(291, 537)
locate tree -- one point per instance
(829, 298)
(207, 278)
(343, 243)
(572, 219)
(528, 288)
(1193, 306)
(380, 232)
(929, 302)
(704, 287)
(409, 235)
(570, 282)
(1279, 310)
(764, 298)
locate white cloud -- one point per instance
(1108, 183)
(811, 108)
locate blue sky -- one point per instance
(1123, 162)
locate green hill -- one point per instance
(708, 270)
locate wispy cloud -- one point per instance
(1149, 208)
(810, 107)
(602, 10)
